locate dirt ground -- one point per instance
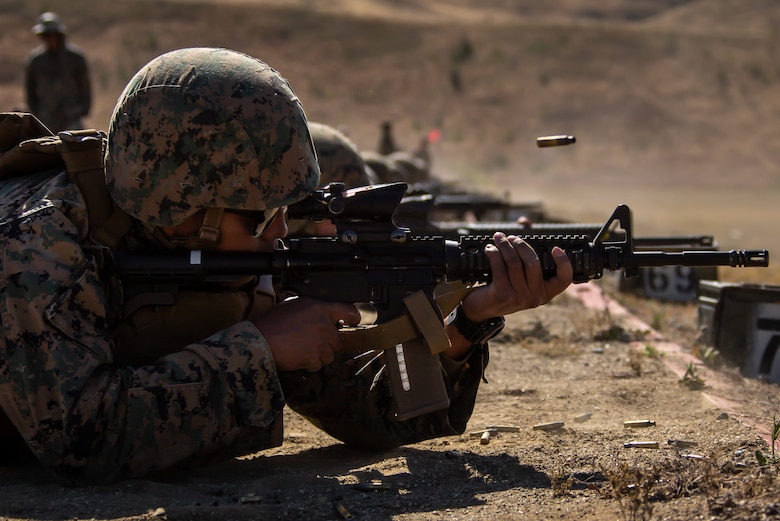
(675, 108)
(587, 368)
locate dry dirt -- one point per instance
(588, 368)
(675, 108)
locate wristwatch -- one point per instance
(476, 332)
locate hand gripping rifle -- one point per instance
(412, 281)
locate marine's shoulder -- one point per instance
(74, 50)
(36, 54)
(40, 198)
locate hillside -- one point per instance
(674, 103)
(675, 110)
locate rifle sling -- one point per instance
(82, 151)
(421, 320)
(411, 344)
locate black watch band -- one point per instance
(477, 332)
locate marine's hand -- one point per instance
(517, 284)
(517, 281)
(303, 333)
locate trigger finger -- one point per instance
(345, 313)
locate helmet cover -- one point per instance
(338, 158)
(205, 128)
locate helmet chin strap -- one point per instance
(207, 236)
(209, 229)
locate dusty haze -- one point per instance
(674, 103)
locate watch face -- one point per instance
(491, 328)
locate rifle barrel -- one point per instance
(464, 260)
(733, 258)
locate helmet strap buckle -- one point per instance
(209, 229)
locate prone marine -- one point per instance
(104, 380)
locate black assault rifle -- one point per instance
(411, 280)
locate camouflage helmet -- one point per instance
(380, 166)
(339, 158)
(48, 22)
(203, 128)
(340, 162)
(412, 169)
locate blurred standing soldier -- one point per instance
(56, 81)
(386, 141)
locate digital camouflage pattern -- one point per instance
(358, 408)
(339, 158)
(207, 128)
(81, 415)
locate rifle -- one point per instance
(448, 206)
(416, 211)
(412, 281)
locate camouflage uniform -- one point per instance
(91, 418)
(80, 413)
(386, 171)
(56, 83)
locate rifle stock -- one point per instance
(371, 260)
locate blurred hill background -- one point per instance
(675, 103)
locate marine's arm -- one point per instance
(352, 400)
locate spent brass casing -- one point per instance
(372, 485)
(551, 426)
(583, 417)
(637, 424)
(503, 428)
(641, 445)
(342, 510)
(555, 141)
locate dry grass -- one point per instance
(731, 491)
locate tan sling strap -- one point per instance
(84, 154)
(27, 146)
(420, 320)
(411, 344)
